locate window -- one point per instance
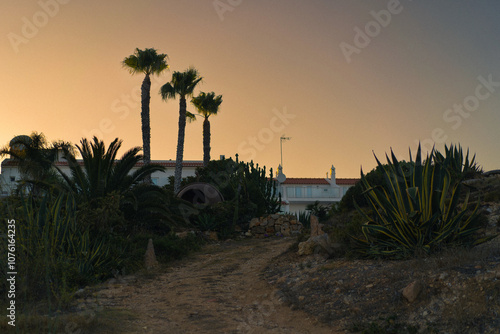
(290, 192)
(298, 192)
(12, 179)
(309, 192)
(155, 181)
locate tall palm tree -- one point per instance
(182, 85)
(148, 62)
(207, 105)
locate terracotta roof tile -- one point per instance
(304, 180)
(346, 182)
(319, 181)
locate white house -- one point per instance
(10, 173)
(297, 193)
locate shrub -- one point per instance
(416, 216)
(54, 255)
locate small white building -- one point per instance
(10, 173)
(297, 193)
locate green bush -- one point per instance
(416, 215)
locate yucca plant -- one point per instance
(418, 214)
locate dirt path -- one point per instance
(220, 290)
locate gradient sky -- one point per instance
(64, 78)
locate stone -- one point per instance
(306, 248)
(412, 290)
(293, 222)
(264, 222)
(285, 230)
(315, 227)
(254, 222)
(259, 230)
(320, 244)
(275, 216)
(150, 257)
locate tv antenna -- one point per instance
(281, 147)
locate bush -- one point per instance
(54, 256)
(416, 216)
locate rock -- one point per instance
(319, 244)
(150, 257)
(181, 235)
(315, 227)
(275, 216)
(285, 230)
(412, 290)
(306, 248)
(254, 222)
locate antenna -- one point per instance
(281, 147)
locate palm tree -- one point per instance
(207, 105)
(35, 157)
(101, 173)
(183, 85)
(148, 62)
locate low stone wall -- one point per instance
(275, 225)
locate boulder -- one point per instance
(320, 244)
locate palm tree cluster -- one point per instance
(182, 85)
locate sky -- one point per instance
(342, 79)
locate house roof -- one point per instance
(346, 182)
(319, 181)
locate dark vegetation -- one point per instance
(86, 227)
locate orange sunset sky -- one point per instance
(341, 78)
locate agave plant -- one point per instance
(417, 214)
(458, 164)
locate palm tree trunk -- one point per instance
(206, 142)
(180, 144)
(145, 120)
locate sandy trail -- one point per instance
(221, 290)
